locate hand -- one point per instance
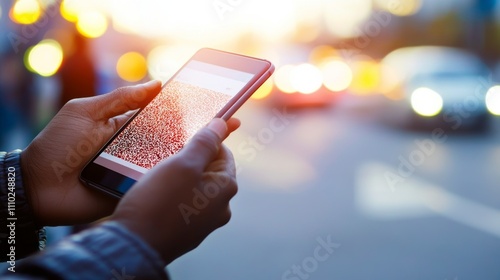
(52, 162)
(185, 197)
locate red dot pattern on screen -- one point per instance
(164, 126)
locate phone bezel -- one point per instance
(100, 177)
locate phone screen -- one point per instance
(185, 104)
(211, 84)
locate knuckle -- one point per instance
(119, 91)
(77, 105)
(73, 104)
(206, 140)
(225, 217)
(232, 187)
(186, 166)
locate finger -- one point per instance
(225, 217)
(233, 124)
(224, 162)
(122, 100)
(204, 147)
(120, 120)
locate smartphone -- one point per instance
(211, 84)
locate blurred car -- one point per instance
(303, 85)
(312, 77)
(430, 87)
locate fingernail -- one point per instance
(218, 126)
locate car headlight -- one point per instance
(493, 100)
(306, 78)
(426, 102)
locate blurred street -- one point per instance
(323, 177)
(373, 151)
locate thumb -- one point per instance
(123, 99)
(204, 146)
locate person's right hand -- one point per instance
(185, 197)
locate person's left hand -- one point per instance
(51, 164)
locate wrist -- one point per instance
(29, 184)
(16, 209)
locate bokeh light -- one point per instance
(92, 24)
(45, 58)
(164, 61)
(367, 77)
(493, 100)
(220, 21)
(25, 11)
(322, 53)
(131, 67)
(400, 7)
(264, 90)
(343, 18)
(390, 82)
(70, 9)
(306, 32)
(282, 79)
(272, 26)
(337, 74)
(306, 78)
(426, 102)
(153, 18)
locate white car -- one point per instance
(437, 87)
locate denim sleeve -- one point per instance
(108, 251)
